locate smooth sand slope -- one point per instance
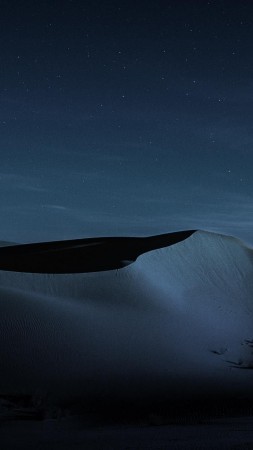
(174, 326)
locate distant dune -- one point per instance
(173, 327)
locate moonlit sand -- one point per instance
(174, 327)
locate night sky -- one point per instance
(125, 118)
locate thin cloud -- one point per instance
(16, 181)
(55, 207)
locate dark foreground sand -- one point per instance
(233, 433)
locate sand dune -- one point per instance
(175, 324)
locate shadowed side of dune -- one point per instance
(83, 255)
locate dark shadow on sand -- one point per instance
(83, 255)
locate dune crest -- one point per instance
(83, 255)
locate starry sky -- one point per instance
(125, 118)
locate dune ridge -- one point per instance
(83, 255)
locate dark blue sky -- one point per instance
(124, 118)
